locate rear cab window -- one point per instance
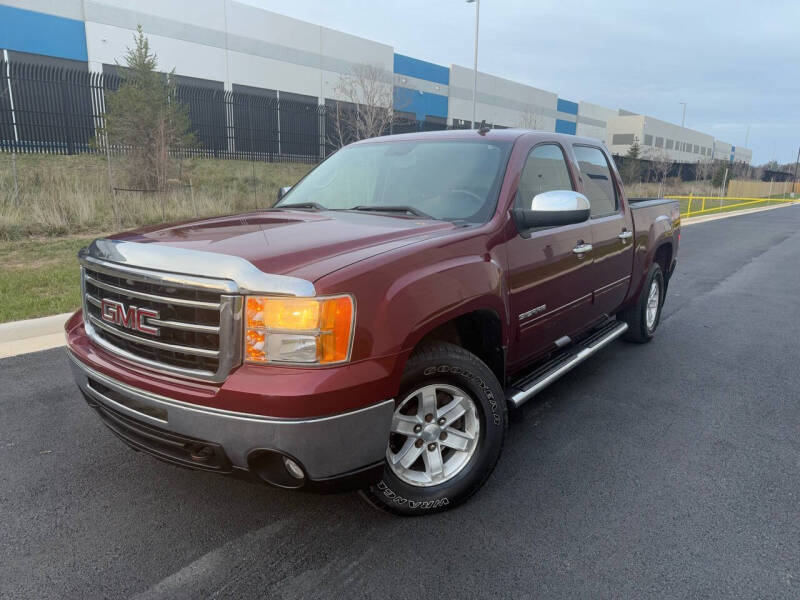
(598, 184)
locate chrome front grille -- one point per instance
(198, 296)
(198, 328)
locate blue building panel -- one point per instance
(421, 104)
(37, 33)
(565, 106)
(412, 67)
(563, 126)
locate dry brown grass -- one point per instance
(736, 188)
(62, 195)
(672, 187)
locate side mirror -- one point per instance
(556, 207)
(282, 191)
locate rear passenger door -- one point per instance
(612, 230)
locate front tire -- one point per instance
(644, 316)
(447, 432)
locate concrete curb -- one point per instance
(733, 213)
(32, 335)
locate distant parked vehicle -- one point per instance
(374, 327)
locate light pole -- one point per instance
(475, 64)
(683, 118)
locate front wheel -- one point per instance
(446, 435)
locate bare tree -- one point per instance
(364, 108)
(740, 170)
(660, 165)
(529, 118)
(704, 169)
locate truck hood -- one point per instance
(294, 242)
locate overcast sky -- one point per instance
(734, 62)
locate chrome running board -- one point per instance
(526, 387)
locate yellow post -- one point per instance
(703, 207)
(689, 210)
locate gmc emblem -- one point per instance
(130, 317)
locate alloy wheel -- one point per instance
(653, 298)
(434, 434)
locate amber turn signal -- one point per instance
(298, 330)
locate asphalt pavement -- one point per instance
(670, 470)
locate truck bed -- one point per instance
(648, 211)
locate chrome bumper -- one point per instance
(326, 446)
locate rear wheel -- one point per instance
(643, 317)
(446, 435)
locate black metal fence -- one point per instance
(48, 109)
(58, 110)
(648, 170)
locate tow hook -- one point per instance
(199, 453)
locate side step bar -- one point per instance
(527, 387)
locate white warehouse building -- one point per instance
(659, 139)
(500, 101)
(228, 45)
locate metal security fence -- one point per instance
(59, 110)
(48, 109)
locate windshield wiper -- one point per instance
(313, 205)
(409, 210)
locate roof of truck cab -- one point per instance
(509, 135)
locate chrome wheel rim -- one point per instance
(434, 435)
(652, 305)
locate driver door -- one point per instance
(550, 286)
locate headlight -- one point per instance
(298, 330)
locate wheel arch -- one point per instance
(477, 327)
(658, 246)
(663, 256)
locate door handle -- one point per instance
(582, 248)
(625, 235)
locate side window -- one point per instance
(597, 181)
(545, 170)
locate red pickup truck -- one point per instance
(373, 328)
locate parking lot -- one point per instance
(669, 470)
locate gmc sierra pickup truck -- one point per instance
(374, 327)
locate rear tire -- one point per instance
(644, 316)
(447, 432)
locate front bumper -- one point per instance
(327, 448)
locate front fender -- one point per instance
(435, 294)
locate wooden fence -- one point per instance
(761, 189)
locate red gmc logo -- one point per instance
(130, 317)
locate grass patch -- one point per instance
(671, 187)
(64, 202)
(39, 277)
(67, 195)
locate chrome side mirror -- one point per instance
(282, 191)
(556, 207)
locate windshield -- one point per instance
(451, 180)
